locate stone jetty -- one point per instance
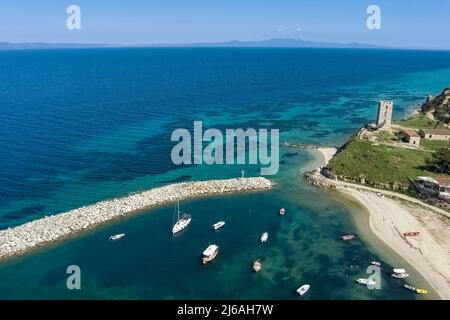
(17, 240)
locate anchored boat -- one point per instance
(303, 289)
(182, 222)
(366, 282)
(348, 237)
(117, 236)
(400, 274)
(282, 211)
(210, 253)
(421, 291)
(218, 225)
(264, 237)
(257, 266)
(407, 286)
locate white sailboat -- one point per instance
(182, 222)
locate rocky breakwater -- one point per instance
(37, 233)
(317, 178)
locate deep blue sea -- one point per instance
(83, 125)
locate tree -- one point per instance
(422, 133)
(440, 161)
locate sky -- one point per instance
(413, 23)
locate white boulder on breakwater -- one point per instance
(36, 233)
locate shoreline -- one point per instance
(44, 231)
(391, 214)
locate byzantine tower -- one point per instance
(384, 117)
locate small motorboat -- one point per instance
(257, 266)
(411, 234)
(348, 237)
(407, 286)
(400, 274)
(117, 236)
(366, 282)
(282, 211)
(210, 253)
(264, 237)
(218, 225)
(303, 289)
(376, 263)
(421, 291)
(398, 270)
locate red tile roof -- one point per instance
(411, 133)
(443, 181)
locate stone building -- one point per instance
(437, 134)
(411, 137)
(434, 187)
(384, 117)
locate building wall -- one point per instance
(430, 136)
(413, 140)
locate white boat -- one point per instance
(407, 286)
(182, 222)
(218, 225)
(399, 271)
(117, 236)
(366, 282)
(210, 253)
(282, 211)
(376, 263)
(257, 265)
(400, 275)
(264, 237)
(302, 290)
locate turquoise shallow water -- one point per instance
(149, 263)
(99, 126)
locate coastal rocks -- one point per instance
(316, 178)
(300, 145)
(36, 233)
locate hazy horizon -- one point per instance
(404, 24)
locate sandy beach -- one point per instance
(392, 214)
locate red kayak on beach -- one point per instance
(411, 233)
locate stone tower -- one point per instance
(384, 117)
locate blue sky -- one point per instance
(414, 23)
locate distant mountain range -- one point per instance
(287, 43)
(270, 43)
